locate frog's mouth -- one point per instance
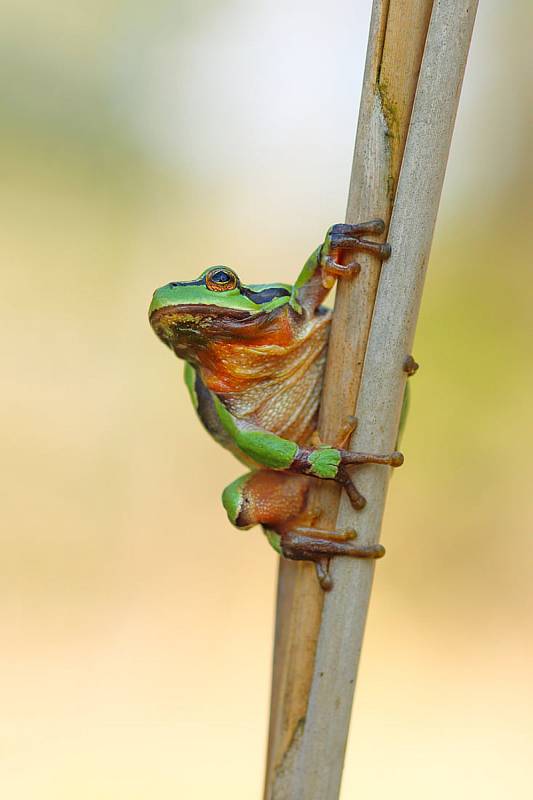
(212, 319)
(182, 320)
(186, 326)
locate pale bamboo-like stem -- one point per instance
(317, 769)
(396, 42)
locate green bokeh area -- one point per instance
(140, 143)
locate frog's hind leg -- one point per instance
(277, 501)
(265, 497)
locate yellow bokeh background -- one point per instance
(141, 142)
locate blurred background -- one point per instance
(141, 142)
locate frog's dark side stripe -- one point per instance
(204, 403)
(265, 295)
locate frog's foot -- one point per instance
(331, 463)
(315, 544)
(343, 240)
(344, 237)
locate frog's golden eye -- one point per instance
(221, 279)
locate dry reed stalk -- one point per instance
(318, 638)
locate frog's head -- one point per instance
(190, 316)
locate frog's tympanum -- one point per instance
(254, 366)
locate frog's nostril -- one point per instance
(173, 284)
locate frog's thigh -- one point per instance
(264, 497)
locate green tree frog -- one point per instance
(254, 367)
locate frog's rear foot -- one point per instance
(314, 544)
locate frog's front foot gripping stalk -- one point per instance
(342, 240)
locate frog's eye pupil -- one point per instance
(220, 277)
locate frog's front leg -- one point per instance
(335, 259)
(327, 463)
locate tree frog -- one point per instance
(254, 367)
